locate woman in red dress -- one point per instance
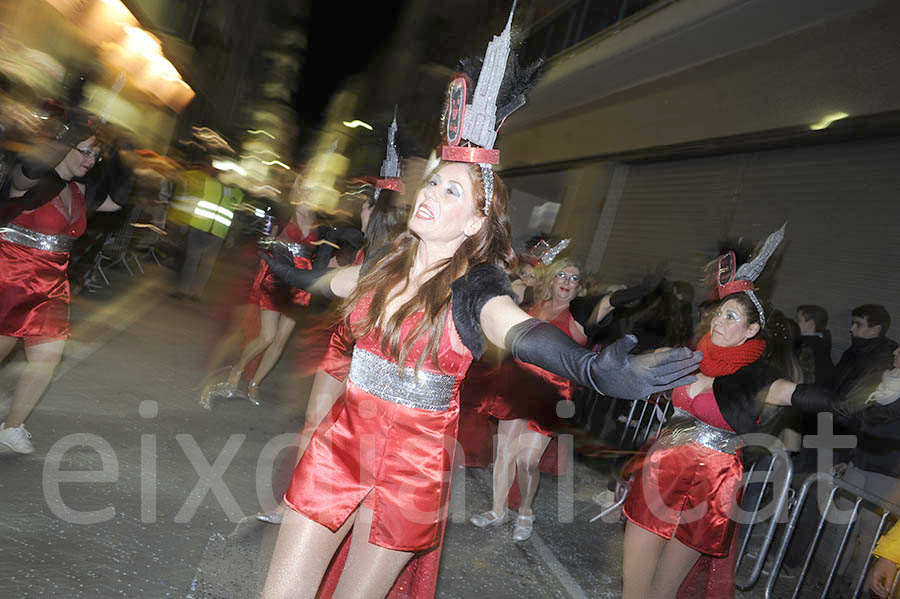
(380, 464)
(34, 286)
(278, 303)
(683, 497)
(527, 405)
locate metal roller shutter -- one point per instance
(671, 214)
(842, 204)
(840, 200)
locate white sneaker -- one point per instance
(16, 438)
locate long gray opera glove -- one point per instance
(613, 371)
(316, 282)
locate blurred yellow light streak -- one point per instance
(357, 123)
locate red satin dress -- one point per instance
(396, 457)
(34, 286)
(687, 490)
(268, 291)
(528, 391)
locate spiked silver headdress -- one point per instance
(731, 280)
(476, 124)
(390, 167)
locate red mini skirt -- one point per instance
(688, 492)
(273, 294)
(34, 292)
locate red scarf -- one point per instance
(719, 361)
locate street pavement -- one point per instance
(136, 491)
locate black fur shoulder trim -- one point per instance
(741, 398)
(470, 293)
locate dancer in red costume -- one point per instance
(527, 405)
(683, 498)
(34, 260)
(380, 467)
(279, 304)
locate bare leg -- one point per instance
(671, 569)
(6, 345)
(230, 341)
(531, 447)
(302, 553)
(286, 324)
(268, 326)
(508, 434)
(325, 391)
(370, 570)
(642, 551)
(42, 361)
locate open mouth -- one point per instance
(424, 213)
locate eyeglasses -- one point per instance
(528, 275)
(562, 275)
(88, 153)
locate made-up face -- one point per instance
(860, 327)
(80, 159)
(565, 284)
(445, 210)
(730, 326)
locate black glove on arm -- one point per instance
(613, 372)
(47, 188)
(317, 282)
(813, 398)
(623, 297)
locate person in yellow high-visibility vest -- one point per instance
(207, 206)
(884, 571)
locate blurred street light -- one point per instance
(357, 123)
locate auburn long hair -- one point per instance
(491, 244)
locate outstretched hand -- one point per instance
(625, 376)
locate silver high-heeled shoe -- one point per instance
(489, 518)
(275, 516)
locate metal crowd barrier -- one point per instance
(859, 496)
(654, 411)
(778, 475)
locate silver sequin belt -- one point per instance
(39, 241)
(380, 377)
(298, 250)
(683, 427)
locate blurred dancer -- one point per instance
(49, 210)
(279, 304)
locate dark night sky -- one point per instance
(342, 38)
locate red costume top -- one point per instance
(268, 291)
(391, 442)
(528, 391)
(34, 286)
